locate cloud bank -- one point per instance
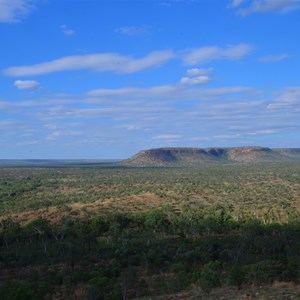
(210, 116)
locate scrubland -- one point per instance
(227, 231)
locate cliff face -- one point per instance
(198, 156)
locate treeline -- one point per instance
(125, 256)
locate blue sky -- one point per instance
(105, 79)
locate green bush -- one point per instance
(236, 275)
(210, 276)
(266, 271)
(18, 291)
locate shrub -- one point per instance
(265, 271)
(18, 291)
(236, 275)
(210, 276)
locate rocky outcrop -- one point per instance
(163, 157)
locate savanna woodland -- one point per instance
(230, 231)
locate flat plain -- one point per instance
(269, 192)
(109, 232)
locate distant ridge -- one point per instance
(203, 156)
(31, 163)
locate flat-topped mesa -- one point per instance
(174, 156)
(251, 154)
(161, 157)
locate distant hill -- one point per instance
(203, 156)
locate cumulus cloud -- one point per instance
(264, 6)
(274, 58)
(207, 54)
(100, 62)
(134, 30)
(67, 31)
(26, 84)
(15, 10)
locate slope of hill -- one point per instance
(201, 156)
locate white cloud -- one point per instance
(170, 3)
(170, 92)
(135, 30)
(27, 143)
(114, 62)
(8, 123)
(15, 10)
(288, 98)
(207, 54)
(199, 80)
(97, 62)
(67, 31)
(264, 6)
(197, 76)
(63, 133)
(156, 91)
(167, 137)
(26, 84)
(236, 3)
(227, 136)
(165, 4)
(198, 72)
(262, 132)
(274, 58)
(230, 114)
(129, 127)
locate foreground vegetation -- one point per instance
(125, 233)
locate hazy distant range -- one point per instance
(172, 157)
(56, 162)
